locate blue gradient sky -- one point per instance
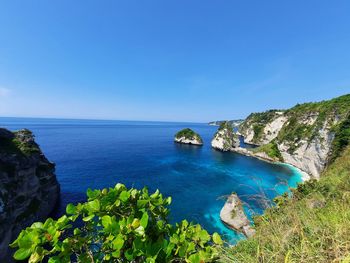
(170, 60)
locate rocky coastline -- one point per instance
(264, 157)
(29, 189)
(308, 136)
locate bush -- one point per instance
(271, 149)
(117, 225)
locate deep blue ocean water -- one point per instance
(99, 154)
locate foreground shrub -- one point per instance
(117, 225)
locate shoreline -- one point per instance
(263, 157)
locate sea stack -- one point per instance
(188, 136)
(28, 186)
(232, 214)
(225, 139)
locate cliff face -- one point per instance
(261, 128)
(28, 187)
(307, 136)
(225, 139)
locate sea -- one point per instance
(97, 154)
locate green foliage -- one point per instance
(226, 132)
(17, 145)
(271, 149)
(117, 225)
(258, 121)
(325, 111)
(188, 134)
(341, 138)
(24, 143)
(309, 225)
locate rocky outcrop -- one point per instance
(310, 156)
(29, 190)
(225, 139)
(306, 135)
(188, 136)
(261, 128)
(232, 214)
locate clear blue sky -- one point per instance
(170, 60)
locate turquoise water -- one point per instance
(99, 154)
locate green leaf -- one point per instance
(191, 247)
(194, 258)
(168, 200)
(144, 220)
(118, 242)
(35, 257)
(37, 225)
(124, 196)
(217, 239)
(119, 186)
(26, 241)
(71, 209)
(55, 259)
(155, 194)
(94, 205)
(135, 223)
(129, 254)
(142, 203)
(204, 236)
(106, 221)
(116, 254)
(88, 218)
(22, 253)
(92, 193)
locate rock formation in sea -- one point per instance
(233, 215)
(188, 136)
(225, 139)
(307, 136)
(29, 189)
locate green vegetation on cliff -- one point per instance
(306, 120)
(258, 121)
(19, 142)
(271, 150)
(229, 138)
(188, 134)
(311, 225)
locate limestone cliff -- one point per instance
(232, 214)
(28, 186)
(307, 136)
(188, 136)
(225, 139)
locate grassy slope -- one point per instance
(311, 226)
(271, 150)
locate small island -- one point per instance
(188, 136)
